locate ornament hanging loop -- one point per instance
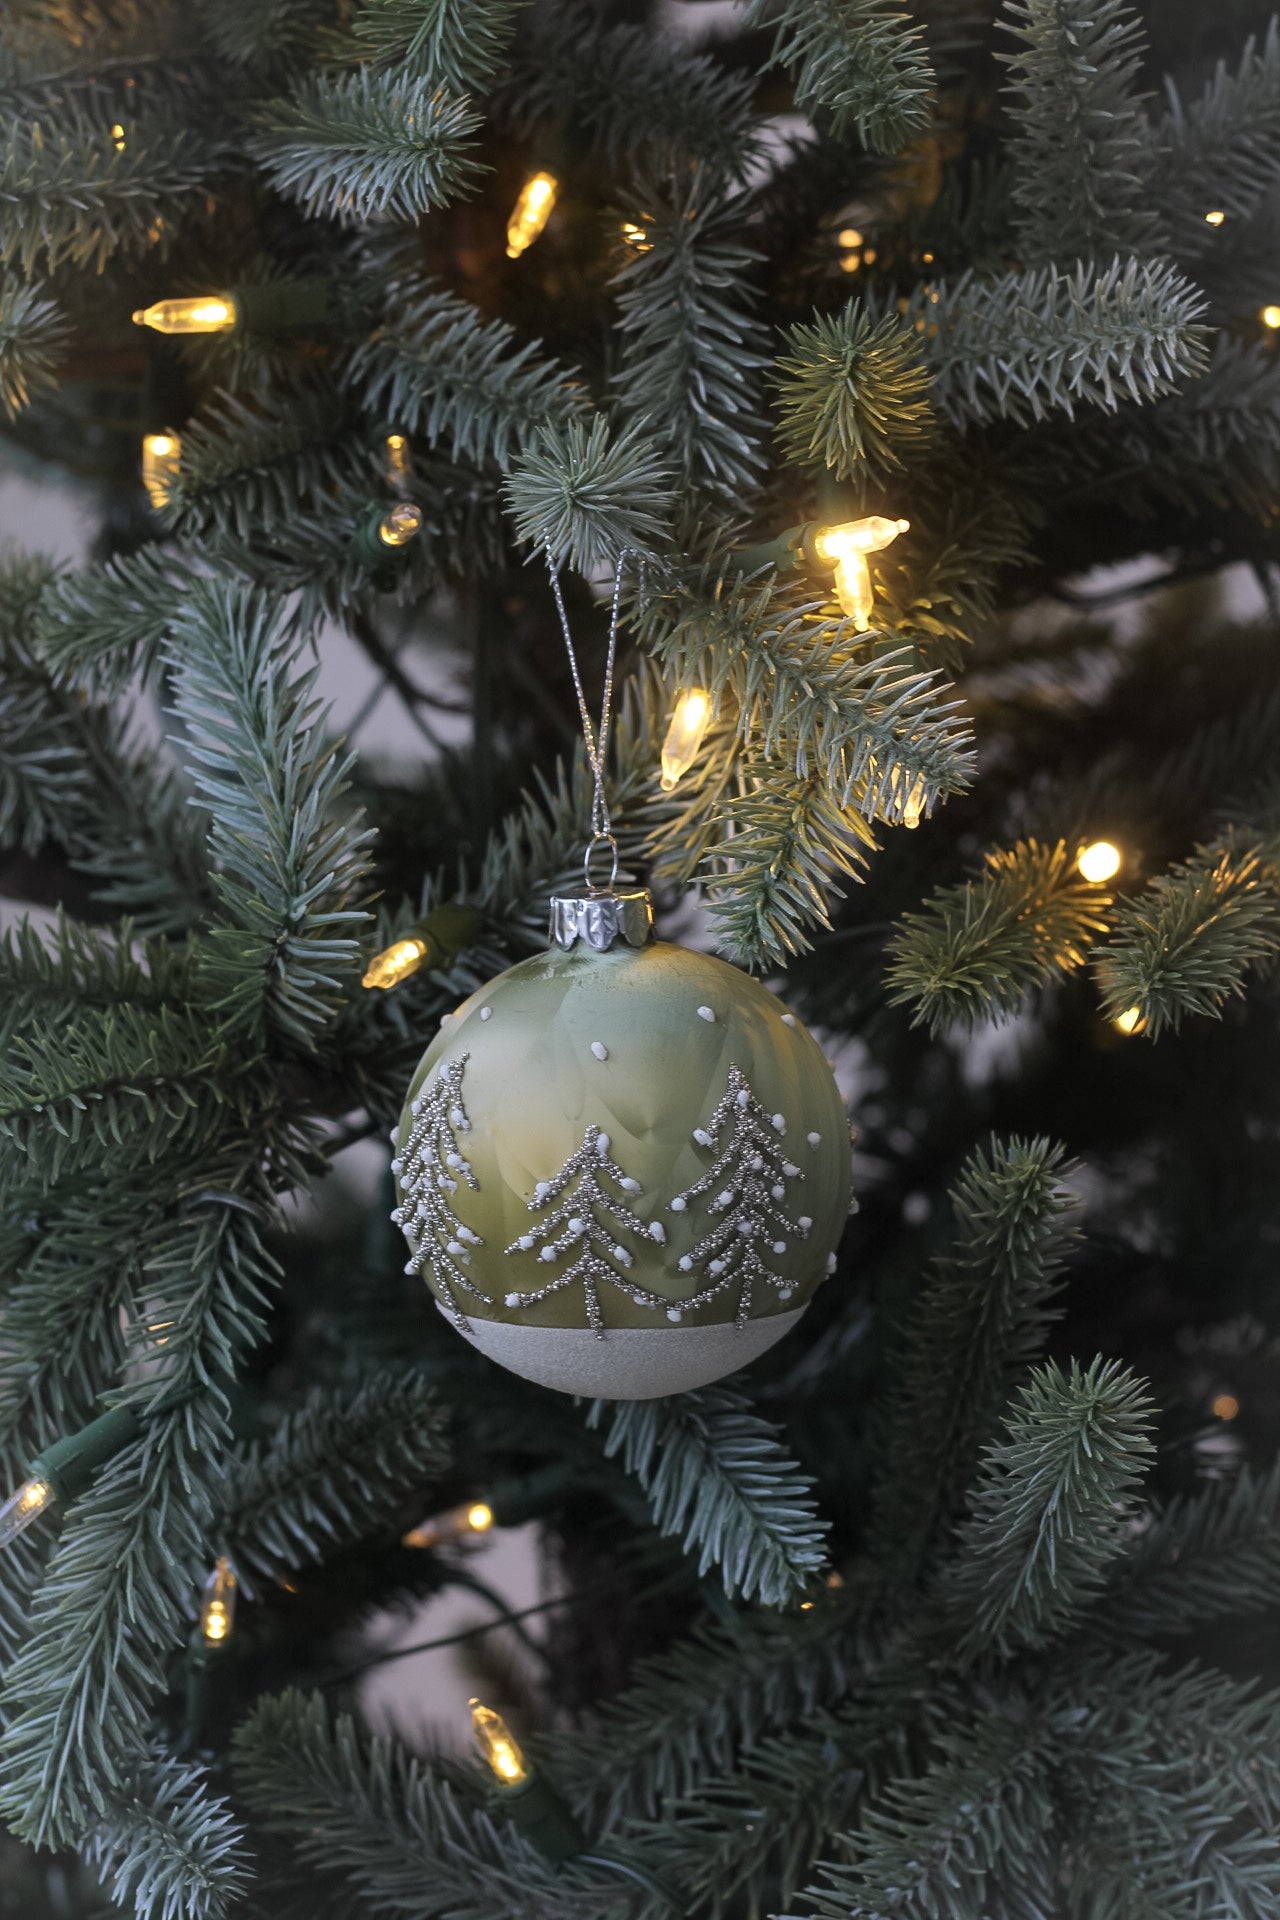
(596, 739)
(601, 838)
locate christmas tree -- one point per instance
(898, 388)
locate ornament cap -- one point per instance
(602, 919)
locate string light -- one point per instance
(498, 1745)
(161, 453)
(400, 525)
(846, 547)
(1130, 1021)
(914, 804)
(531, 212)
(1216, 218)
(199, 313)
(1099, 861)
(684, 736)
(395, 963)
(22, 1508)
(397, 462)
(1225, 1407)
(218, 1605)
(637, 237)
(474, 1516)
(64, 1469)
(1270, 317)
(117, 137)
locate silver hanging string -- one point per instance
(595, 738)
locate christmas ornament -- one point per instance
(622, 1167)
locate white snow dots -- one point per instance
(679, 1204)
(706, 1013)
(486, 1013)
(814, 1139)
(600, 1050)
(788, 1020)
(657, 1231)
(777, 1122)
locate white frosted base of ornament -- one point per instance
(627, 1363)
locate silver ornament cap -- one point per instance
(602, 919)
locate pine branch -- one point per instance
(1184, 946)
(590, 496)
(649, 104)
(122, 1582)
(33, 333)
(335, 1471)
(365, 145)
(459, 45)
(808, 695)
(749, 1838)
(168, 1847)
(688, 1713)
(124, 1081)
(691, 348)
(71, 197)
(101, 627)
(860, 65)
(1082, 155)
(259, 34)
(786, 843)
(1047, 1505)
(976, 950)
(1223, 150)
(438, 370)
(287, 862)
(1028, 344)
(405, 1840)
(47, 976)
(1211, 1555)
(70, 773)
(718, 1474)
(1215, 443)
(853, 395)
(970, 1838)
(980, 1317)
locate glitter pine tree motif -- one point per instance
(748, 1182)
(580, 1221)
(430, 1168)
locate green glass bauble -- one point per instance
(622, 1168)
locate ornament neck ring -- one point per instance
(601, 838)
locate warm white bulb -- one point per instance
(531, 212)
(401, 525)
(22, 1508)
(203, 313)
(684, 736)
(218, 1604)
(1098, 862)
(1131, 1021)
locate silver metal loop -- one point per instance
(600, 839)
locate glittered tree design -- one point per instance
(748, 1181)
(430, 1168)
(582, 1208)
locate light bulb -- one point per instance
(117, 137)
(1216, 218)
(1131, 1021)
(1225, 1407)
(637, 236)
(1099, 861)
(849, 237)
(497, 1744)
(684, 736)
(201, 313)
(1271, 317)
(454, 1524)
(845, 547)
(397, 463)
(913, 805)
(395, 963)
(531, 212)
(218, 1606)
(161, 453)
(402, 524)
(22, 1507)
